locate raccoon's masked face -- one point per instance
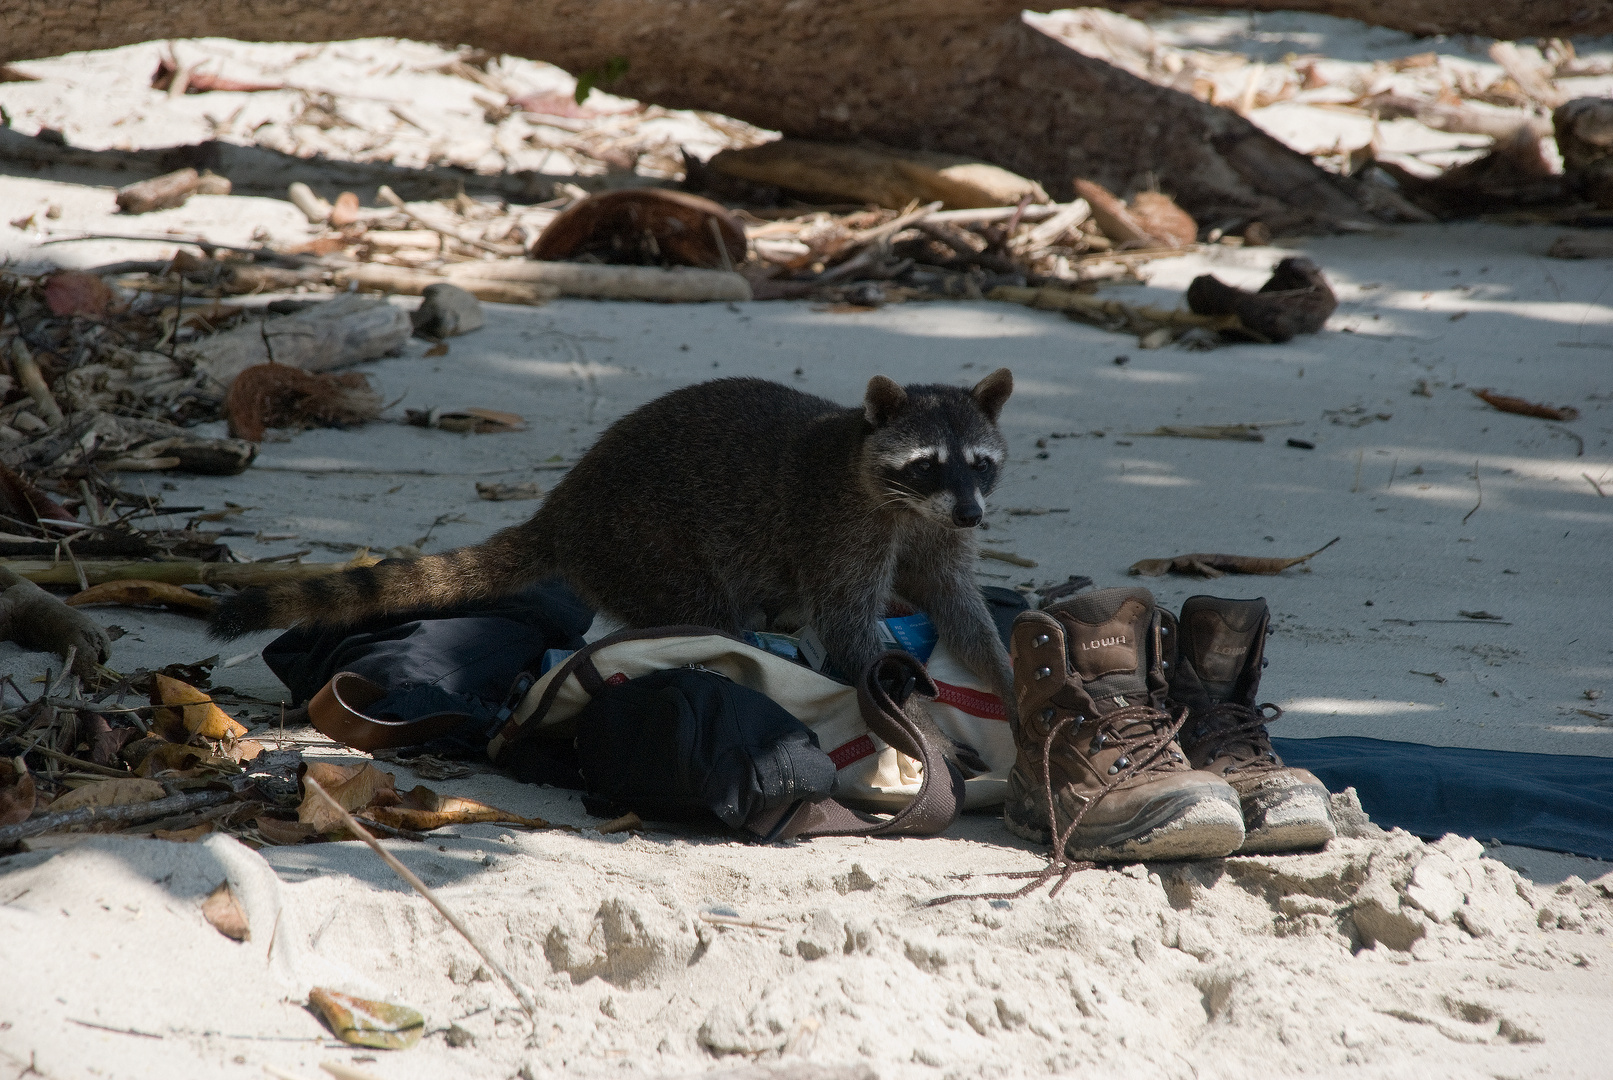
(937, 451)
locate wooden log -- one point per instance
(875, 174)
(159, 193)
(342, 331)
(380, 278)
(604, 282)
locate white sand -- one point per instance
(1247, 967)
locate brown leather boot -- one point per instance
(1219, 652)
(1093, 738)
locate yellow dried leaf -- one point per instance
(174, 760)
(134, 592)
(223, 910)
(449, 811)
(185, 836)
(110, 793)
(355, 788)
(355, 1020)
(196, 710)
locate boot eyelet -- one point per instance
(1039, 639)
(1043, 672)
(1113, 769)
(1121, 763)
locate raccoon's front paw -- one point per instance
(965, 757)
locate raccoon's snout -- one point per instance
(966, 515)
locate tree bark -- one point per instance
(1508, 20)
(967, 78)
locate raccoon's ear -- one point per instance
(991, 393)
(884, 401)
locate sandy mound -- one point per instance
(1382, 955)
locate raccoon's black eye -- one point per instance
(983, 465)
(922, 466)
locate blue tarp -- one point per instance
(1558, 802)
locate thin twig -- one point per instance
(387, 195)
(1594, 484)
(527, 1003)
(1480, 486)
(130, 812)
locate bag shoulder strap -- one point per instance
(881, 691)
(337, 711)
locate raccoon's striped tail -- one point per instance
(506, 562)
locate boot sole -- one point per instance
(1290, 819)
(1192, 825)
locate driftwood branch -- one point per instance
(129, 812)
(42, 572)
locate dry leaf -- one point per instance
(355, 1020)
(1233, 432)
(124, 792)
(284, 833)
(185, 836)
(626, 823)
(1527, 408)
(422, 810)
(75, 292)
(243, 750)
(474, 421)
(356, 788)
(508, 492)
(134, 592)
(1214, 566)
(439, 349)
(197, 711)
(174, 760)
(223, 910)
(17, 793)
(1006, 556)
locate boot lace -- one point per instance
(1229, 727)
(1145, 736)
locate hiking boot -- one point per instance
(1093, 738)
(1219, 651)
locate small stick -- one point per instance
(1355, 486)
(1390, 486)
(722, 245)
(520, 992)
(1576, 436)
(1480, 486)
(387, 195)
(1594, 484)
(33, 381)
(131, 812)
(732, 920)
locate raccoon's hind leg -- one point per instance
(504, 563)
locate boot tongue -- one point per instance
(1219, 644)
(1107, 641)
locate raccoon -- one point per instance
(738, 504)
